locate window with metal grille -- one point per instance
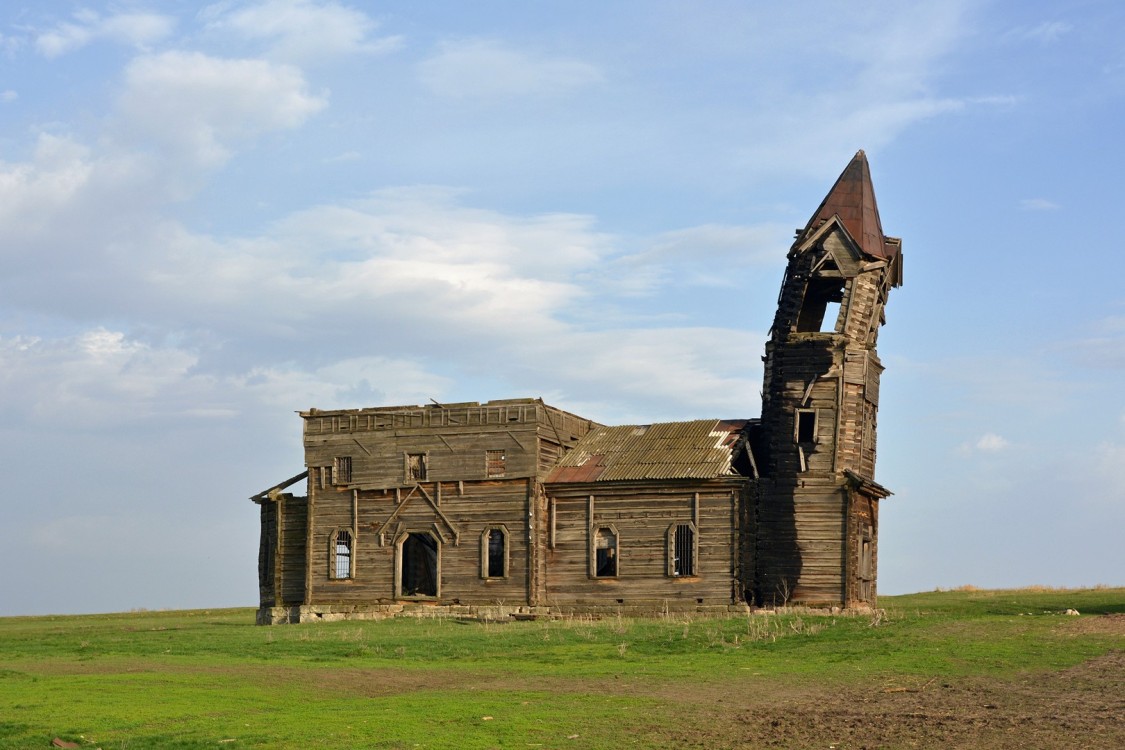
(494, 463)
(342, 554)
(683, 550)
(342, 470)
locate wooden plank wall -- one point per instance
(801, 543)
(293, 512)
(863, 515)
(469, 507)
(642, 514)
(267, 553)
(452, 453)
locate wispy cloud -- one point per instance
(1047, 32)
(1038, 204)
(139, 30)
(481, 68)
(302, 31)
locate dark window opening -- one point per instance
(806, 426)
(683, 551)
(342, 546)
(419, 565)
(818, 294)
(497, 554)
(342, 470)
(605, 553)
(267, 549)
(495, 463)
(415, 467)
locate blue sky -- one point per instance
(212, 216)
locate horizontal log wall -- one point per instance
(469, 507)
(267, 554)
(801, 544)
(642, 515)
(291, 551)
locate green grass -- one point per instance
(213, 679)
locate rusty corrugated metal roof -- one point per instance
(700, 449)
(852, 198)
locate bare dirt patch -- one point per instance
(1082, 706)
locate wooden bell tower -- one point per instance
(817, 504)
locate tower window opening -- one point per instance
(822, 295)
(806, 426)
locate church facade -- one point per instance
(519, 508)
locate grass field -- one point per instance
(946, 669)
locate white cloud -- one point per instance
(303, 31)
(97, 377)
(346, 384)
(8, 95)
(33, 192)
(480, 68)
(991, 443)
(1038, 204)
(140, 30)
(200, 106)
(642, 375)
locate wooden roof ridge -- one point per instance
(867, 486)
(852, 201)
(272, 493)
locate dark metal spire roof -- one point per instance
(852, 198)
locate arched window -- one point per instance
(603, 556)
(682, 549)
(340, 565)
(494, 553)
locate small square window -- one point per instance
(495, 463)
(342, 470)
(415, 467)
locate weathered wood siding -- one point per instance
(863, 524)
(291, 552)
(641, 514)
(267, 554)
(281, 551)
(379, 521)
(453, 438)
(808, 538)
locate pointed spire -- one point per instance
(852, 198)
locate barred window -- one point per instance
(342, 470)
(681, 550)
(342, 555)
(495, 463)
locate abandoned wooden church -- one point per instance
(518, 507)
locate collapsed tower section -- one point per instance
(816, 513)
